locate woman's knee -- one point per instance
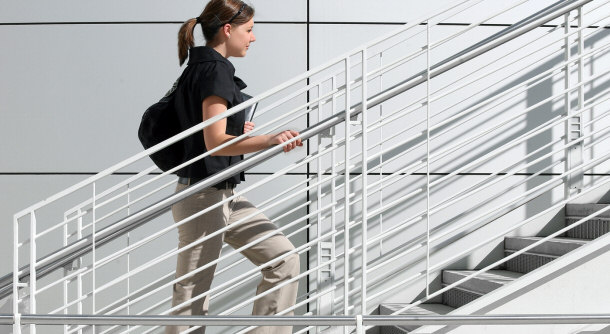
(293, 263)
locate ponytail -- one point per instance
(186, 40)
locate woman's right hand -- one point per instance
(284, 136)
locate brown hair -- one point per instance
(216, 14)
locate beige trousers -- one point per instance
(241, 234)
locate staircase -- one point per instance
(427, 148)
(513, 269)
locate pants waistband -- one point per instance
(192, 180)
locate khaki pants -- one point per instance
(253, 228)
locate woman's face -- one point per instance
(240, 38)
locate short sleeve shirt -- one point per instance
(208, 73)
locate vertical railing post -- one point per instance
(79, 277)
(574, 180)
(128, 257)
(65, 283)
(93, 252)
(581, 98)
(16, 283)
(319, 279)
(364, 157)
(427, 158)
(346, 188)
(333, 195)
(381, 157)
(32, 268)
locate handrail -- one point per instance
(338, 320)
(83, 246)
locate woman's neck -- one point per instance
(220, 48)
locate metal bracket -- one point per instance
(327, 278)
(575, 153)
(327, 133)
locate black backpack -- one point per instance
(159, 122)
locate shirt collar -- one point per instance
(200, 54)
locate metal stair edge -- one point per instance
(554, 247)
(421, 309)
(482, 284)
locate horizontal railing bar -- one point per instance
(114, 188)
(131, 202)
(64, 222)
(337, 320)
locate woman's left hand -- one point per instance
(248, 126)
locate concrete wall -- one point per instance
(77, 76)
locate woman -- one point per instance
(207, 88)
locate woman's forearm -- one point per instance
(246, 145)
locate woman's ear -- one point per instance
(226, 30)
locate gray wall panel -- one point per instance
(73, 90)
(128, 11)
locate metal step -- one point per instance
(591, 229)
(421, 309)
(475, 287)
(539, 255)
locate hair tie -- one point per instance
(198, 19)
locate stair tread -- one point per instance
(483, 283)
(552, 247)
(583, 210)
(421, 309)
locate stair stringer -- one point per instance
(576, 283)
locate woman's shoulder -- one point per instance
(212, 71)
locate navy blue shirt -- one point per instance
(208, 73)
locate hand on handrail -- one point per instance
(283, 137)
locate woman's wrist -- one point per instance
(268, 139)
